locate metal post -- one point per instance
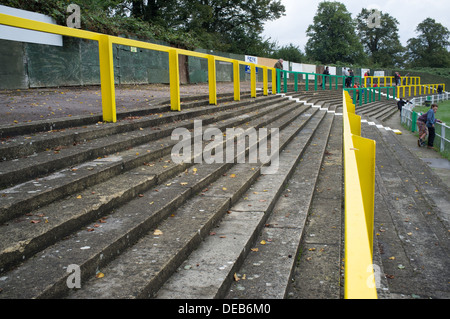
(237, 81)
(107, 79)
(212, 80)
(253, 80)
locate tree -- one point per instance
(332, 37)
(429, 48)
(382, 44)
(218, 24)
(289, 53)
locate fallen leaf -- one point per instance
(79, 197)
(35, 221)
(255, 249)
(236, 278)
(157, 232)
(263, 242)
(233, 175)
(99, 275)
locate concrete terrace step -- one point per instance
(100, 211)
(267, 270)
(330, 103)
(126, 273)
(159, 171)
(99, 202)
(21, 197)
(79, 121)
(33, 143)
(381, 110)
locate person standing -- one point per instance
(400, 105)
(325, 73)
(279, 65)
(346, 74)
(431, 121)
(397, 79)
(423, 130)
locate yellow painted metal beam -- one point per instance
(212, 80)
(237, 81)
(265, 82)
(107, 78)
(174, 77)
(253, 80)
(359, 181)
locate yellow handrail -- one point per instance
(359, 178)
(427, 89)
(107, 64)
(410, 80)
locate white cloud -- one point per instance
(409, 13)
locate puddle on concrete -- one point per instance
(441, 163)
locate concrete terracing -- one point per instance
(110, 199)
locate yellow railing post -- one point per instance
(212, 80)
(174, 77)
(107, 78)
(253, 79)
(237, 81)
(265, 82)
(274, 81)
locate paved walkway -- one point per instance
(440, 165)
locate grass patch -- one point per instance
(443, 112)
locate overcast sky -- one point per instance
(409, 13)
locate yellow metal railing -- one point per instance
(359, 177)
(390, 80)
(105, 44)
(414, 90)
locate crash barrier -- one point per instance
(359, 177)
(413, 90)
(367, 95)
(390, 80)
(105, 45)
(323, 81)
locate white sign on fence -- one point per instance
(30, 36)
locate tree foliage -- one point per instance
(290, 53)
(381, 44)
(429, 48)
(236, 26)
(228, 25)
(332, 37)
